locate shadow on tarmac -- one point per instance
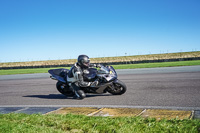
(60, 96)
(50, 96)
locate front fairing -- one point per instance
(108, 73)
(112, 74)
(112, 71)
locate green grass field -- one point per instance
(181, 55)
(128, 66)
(36, 123)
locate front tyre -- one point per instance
(118, 88)
(64, 89)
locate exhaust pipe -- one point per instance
(53, 77)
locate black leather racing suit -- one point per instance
(75, 76)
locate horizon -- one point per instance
(102, 57)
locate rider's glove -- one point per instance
(94, 84)
(98, 65)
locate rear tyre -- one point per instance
(118, 88)
(64, 89)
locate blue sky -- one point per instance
(32, 30)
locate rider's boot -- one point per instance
(80, 94)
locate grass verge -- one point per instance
(78, 123)
(26, 71)
(126, 66)
(162, 64)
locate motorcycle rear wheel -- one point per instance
(64, 89)
(118, 88)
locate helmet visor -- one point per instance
(86, 62)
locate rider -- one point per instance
(75, 76)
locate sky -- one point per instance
(33, 30)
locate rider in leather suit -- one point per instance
(75, 76)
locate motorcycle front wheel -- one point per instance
(64, 89)
(118, 88)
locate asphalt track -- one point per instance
(156, 88)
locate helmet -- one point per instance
(84, 61)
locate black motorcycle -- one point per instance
(106, 77)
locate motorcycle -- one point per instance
(106, 77)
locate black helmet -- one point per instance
(84, 61)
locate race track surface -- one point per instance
(175, 87)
